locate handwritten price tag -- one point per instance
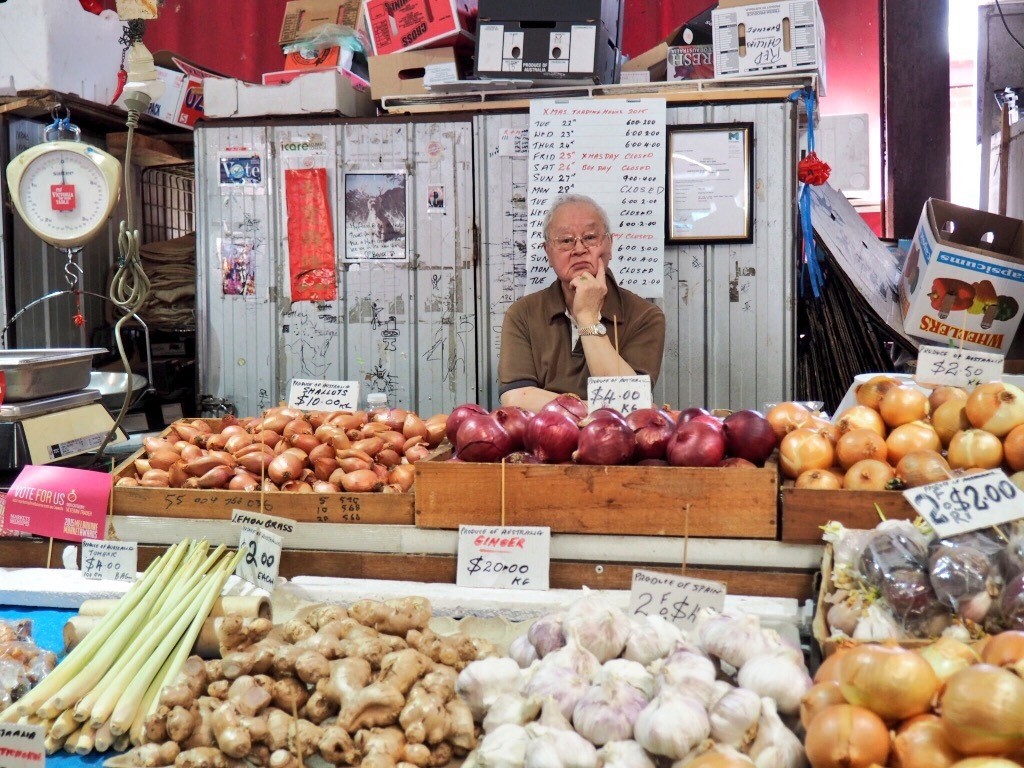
(117, 560)
(623, 393)
(21, 746)
(504, 558)
(675, 598)
(967, 503)
(957, 367)
(281, 525)
(313, 395)
(262, 557)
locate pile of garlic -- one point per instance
(592, 687)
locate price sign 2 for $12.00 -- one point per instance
(967, 503)
(261, 559)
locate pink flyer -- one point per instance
(58, 502)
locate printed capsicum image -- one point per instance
(950, 295)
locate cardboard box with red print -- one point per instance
(403, 25)
(964, 277)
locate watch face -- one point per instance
(64, 194)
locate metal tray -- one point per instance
(36, 373)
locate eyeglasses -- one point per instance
(568, 242)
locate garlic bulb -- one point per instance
(511, 708)
(650, 637)
(734, 717)
(845, 611)
(779, 674)
(733, 639)
(623, 754)
(629, 672)
(877, 623)
(551, 716)
(672, 724)
(607, 712)
(562, 684)
(522, 650)
(688, 672)
(553, 748)
(481, 682)
(775, 746)
(504, 747)
(598, 626)
(545, 634)
(574, 657)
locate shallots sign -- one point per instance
(59, 503)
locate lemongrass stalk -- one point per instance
(86, 740)
(74, 661)
(64, 724)
(197, 550)
(52, 744)
(141, 653)
(121, 743)
(71, 742)
(104, 739)
(91, 670)
(190, 571)
(129, 703)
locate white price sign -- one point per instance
(280, 525)
(262, 557)
(314, 395)
(504, 557)
(21, 746)
(957, 367)
(623, 393)
(967, 503)
(116, 560)
(675, 598)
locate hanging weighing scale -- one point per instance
(65, 191)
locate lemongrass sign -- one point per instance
(59, 503)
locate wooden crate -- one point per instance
(804, 511)
(728, 502)
(363, 508)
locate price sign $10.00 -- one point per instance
(261, 559)
(967, 503)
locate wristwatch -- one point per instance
(597, 329)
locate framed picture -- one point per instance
(375, 216)
(710, 183)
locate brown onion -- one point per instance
(922, 467)
(950, 418)
(255, 462)
(393, 417)
(804, 449)
(860, 417)
(945, 394)
(829, 669)
(402, 475)
(202, 465)
(413, 426)
(215, 442)
(974, 448)
(846, 736)
(819, 696)
(369, 445)
(323, 468)
(895, 683)
(177, 474)
(871, 392)
(818, 479)
(269, 437)
(304, 442)
(1005, 649)
(902, 405)
(127, 482)
(347, 420)
(322, 451)
(322, 486)
(297, 427)
(353, 463)
(361, 481)
(982, 711)
(921, 743)
(275, 423)
(785, 417)
(285, 467)
(392, 439)
(217, 477)
(859, 444)
(912, 436)
(1013, 448)
(243, 481)
(297, 486)
(868, 475)
(236, 442)
(416, 453)
(997, 407)
(388, 457)
(142, 466)
(152, 444)
(163, 458)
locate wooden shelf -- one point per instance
(147, 151)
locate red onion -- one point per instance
(711, 421)
(605, 441)
(604, 413)
(482, 438)
(687, 414)
(736, 461)
(457, 416)
(696, 444)
(568, 404)
(521, 457)
(749, 435)
(514, 419)
(552, 436)
(653, 428)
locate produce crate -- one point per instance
(819, 625)
(732, 502)
(363, 508)
(804, 511)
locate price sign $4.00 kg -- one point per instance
(624, 394)
(261, 559)
(967, 503)
(116, 560)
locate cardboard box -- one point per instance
(402, 25)
(695, 32)
(406, 73)
(690, 62)
(611, 13)
(287, 75)
(964, 277)
(311, 93)
(769, 39)
(57, 45)
(564, 51)
(182, 101)
(303, 18)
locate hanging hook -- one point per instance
(73, 270)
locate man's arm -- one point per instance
(530, 398)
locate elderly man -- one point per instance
(555, 339)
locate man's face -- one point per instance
(577, 220)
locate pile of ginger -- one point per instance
(370, 686)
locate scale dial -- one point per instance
(64, 190)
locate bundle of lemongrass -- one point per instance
(99, 695)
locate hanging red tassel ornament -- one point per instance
(813, 170)
(79, 319)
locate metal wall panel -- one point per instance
(407, 328)
(729, 308)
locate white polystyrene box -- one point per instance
(57, 45)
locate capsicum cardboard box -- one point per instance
(964, 277)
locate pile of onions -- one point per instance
(290, 450)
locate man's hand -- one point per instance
(588, 296)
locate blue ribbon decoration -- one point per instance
(810, 266)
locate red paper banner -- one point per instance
(310, 235)
(58, 502)
(3, 386)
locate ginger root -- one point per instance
(232, 736)
(201, 757)
(403, 668)
(380, 747)
(373, 706)
(394, 617)
(424, 717)
(336, 746)
(325, 614)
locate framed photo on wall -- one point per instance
(375, 216)
(710, 183)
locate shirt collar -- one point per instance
(554, 302)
